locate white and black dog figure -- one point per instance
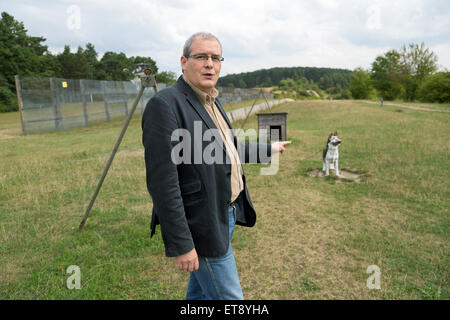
(331, 154)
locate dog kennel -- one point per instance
(272, 126)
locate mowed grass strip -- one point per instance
(314, 237)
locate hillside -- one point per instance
(325, 78)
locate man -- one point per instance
(196, 202)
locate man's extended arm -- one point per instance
(253, 152)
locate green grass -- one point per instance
(314, 237)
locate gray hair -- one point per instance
(187, 49)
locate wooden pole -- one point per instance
(146, 81)
(83, 99)
(20, 101)
(124, 97)
(105, 98)
(56, 109)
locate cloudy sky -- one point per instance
(254, 34)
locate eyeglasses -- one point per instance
(205, 57)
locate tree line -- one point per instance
(409, 74)
(333, 80)
(26, 55)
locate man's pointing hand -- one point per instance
(279, 146)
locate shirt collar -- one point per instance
(204, 97)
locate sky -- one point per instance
(254, 34)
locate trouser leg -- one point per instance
(217, 278)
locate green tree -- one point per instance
(287, 84)
(84, 70)
(7, 98)
(49, 66)
(19, 54)
(116, 67)
(73, 65)
(147, 60)
(90, 55)
(416, 62)
(241, 84)
(386, 74)
(400, 73)
(435, 88)
(167, 77)
(360, 84)
(267, 81)
(324, 77)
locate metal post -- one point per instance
(124, 98)
(142, 105)
(146, 81)
(83, 99)
(56, 107)
(249, 113)
(20, 101)
(105, 98)
(267, 102)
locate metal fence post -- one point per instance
(56, 107)
(142, 104)
(146, 81)
(20, 101)
(124, 97)
(105, 98)
(83, 99)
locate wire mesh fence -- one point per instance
(232, 95)
(58, 104)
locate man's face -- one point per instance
(202, 74)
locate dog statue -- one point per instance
(331, 154)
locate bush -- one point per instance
(8, 101)
(360, 84)
(344, 94)
(391, 90)
(436, 88)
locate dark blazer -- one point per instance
(191, 200)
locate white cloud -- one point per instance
(254, 34)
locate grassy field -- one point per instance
(314, 237)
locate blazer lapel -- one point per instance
(191, 97)
(195, 103)
(200, 109)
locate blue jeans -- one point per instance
(216, 278)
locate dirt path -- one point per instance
(409, 106)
